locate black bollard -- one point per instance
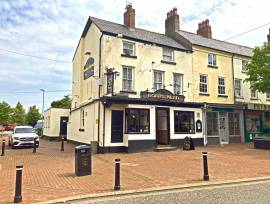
(18, 187)
(35, 145)
(62, 143)
(117, 175)
(205, 167)
(3, 147)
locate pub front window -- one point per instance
(184, 122)
(137, 121)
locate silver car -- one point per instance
(23, 136)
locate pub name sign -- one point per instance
(162, 94)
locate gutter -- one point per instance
(99, 90)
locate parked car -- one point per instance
(9, 127)
(23, 136)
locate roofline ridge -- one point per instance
(218, 40)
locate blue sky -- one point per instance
(52, 28)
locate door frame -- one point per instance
(123, 126)
(168, 123)
(226, 128)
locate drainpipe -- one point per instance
(99, 90)
(104, 109)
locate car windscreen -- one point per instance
(24, 130)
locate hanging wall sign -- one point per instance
(89, 68)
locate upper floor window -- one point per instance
(221, 86)
(253, 93)
(127, 80)
(177, 83)
(158, 80)
(168, 55)
(268, 95)
(128, 48)
(203, 84)
(237, 87)
(212, 59)
(244, 65)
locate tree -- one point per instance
(62, 103)
(5, 113)
(32, 116)
(18, 114)
(258, 70)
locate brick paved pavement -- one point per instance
(49, 174)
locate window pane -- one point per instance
(137, 121)
(184, 122)
(212, 123)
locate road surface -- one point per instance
(251, 192)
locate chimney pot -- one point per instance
(172, 23)
(204, 29)
(129, 17)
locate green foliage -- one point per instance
(258, 70)
(5, 113)
(62, 103)
(18, 114)
(32, 116)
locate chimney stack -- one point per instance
(268, 36)
(204, 29)
(129, 17)
(172, 23)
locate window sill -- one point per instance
(129, 56)
(168, 62)
(204, 94)
(212, 66)
(268, 99)
(244, 71)
(81, 130)
(254, 98)
(224, 96)
(184, 132)
(135, 133)
(239, 97)
(128, 92)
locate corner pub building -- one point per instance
(132, 89)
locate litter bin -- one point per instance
(83, 160)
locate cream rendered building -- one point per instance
(132, 89)
(256, 105)
(213, 80)
(55, 122)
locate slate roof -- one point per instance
(136, 34)
(217, 44)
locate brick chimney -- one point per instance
(268, 36)
(172, 22)
(129, 17)
(204, 29)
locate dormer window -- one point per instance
(128, 48)
(168, 55)
(212, 60)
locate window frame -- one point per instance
(203, 83)
(181, 111)
(180, 85)
(253, 92)
(244, 65)
(240, 87)
(212, 60)
(221, 86)
(162, 79)
(127, 79)
(164, 54)
(129, 43)
(127, 110)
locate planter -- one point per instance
(262, 143)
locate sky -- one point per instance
(52, 28)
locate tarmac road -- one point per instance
(250, 192)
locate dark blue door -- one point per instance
(117, 126)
